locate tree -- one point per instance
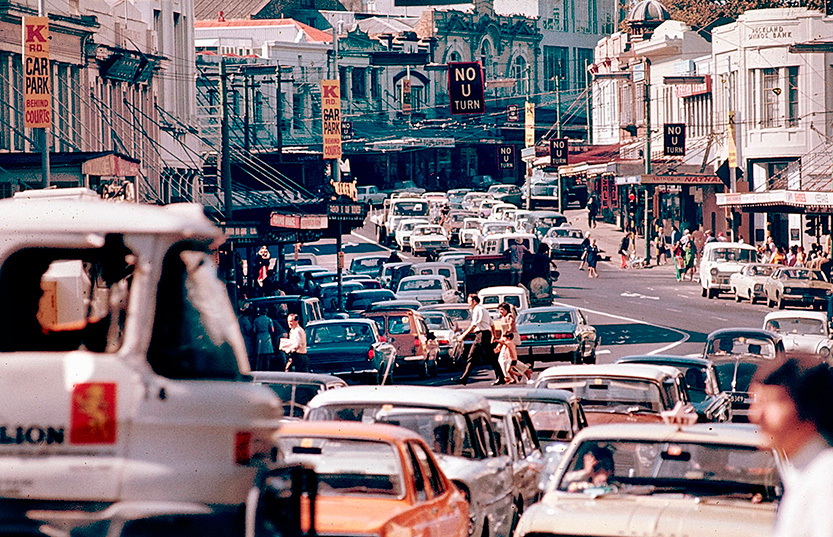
(702, 14)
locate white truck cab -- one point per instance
(122, 367)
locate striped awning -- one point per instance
(786, 200)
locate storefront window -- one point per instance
(792, 96)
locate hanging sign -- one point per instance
(331, 118)
(506, 157)
(37, 94)
(529, 124)
(406, 95)
(465, 88)
(559, 153)
(674, 137)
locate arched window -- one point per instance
(486, 57)
(520, 74)
(454, 56)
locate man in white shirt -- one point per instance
(295, 346)
(481, 326)
(792, 406)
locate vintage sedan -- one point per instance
(428, 238)
(794, 285)
(330, 297)
(370, 265)
(564, 241)
(405, 229)
(493, 227)
(350, 348)
(749, 282)
(556, 333)
(509, 194)
(701, 383)
(359, 301)
(296, 389)
(455, 424)
(807, 332)
(453, 222)
(658, 480)
(468, 231)
(405, 329)
(719, 261)
(621, 393)
(456, 196)
(374, 480)
(737, 353)
(426, 289)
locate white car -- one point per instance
(426, 289)
(471, 201)
(370, 195)
(471, 227)
(428, 238)
(498, 243)
(484, 210)
(405, 229)
(500, 211)
(749, 282)
(806, 332)
(490, 227)
(490, 297)
(719, 261)
(564, 241)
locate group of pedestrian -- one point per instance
(590, 256)
(259, 332)
(685, 256)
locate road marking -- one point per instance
(637, 321)
(637, 295)
(721, 319)
(365, 239)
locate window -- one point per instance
(519, 73)
(374, 84)
(555, 65)
(792, 96)
(359, 82)
(297, 112)
(698, 114)
(584, 57)
(416, 474)
(770, 98)
(429, 469)
(342, 78)
(486, 57)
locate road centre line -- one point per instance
(637, 321)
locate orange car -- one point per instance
(374, 479)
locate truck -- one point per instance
(127, 394)
(385, 219)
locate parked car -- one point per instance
(296, 389)
(439, 324)
(350, 348)
(458, 259)
(359, 301)
(429, 238)
(516, 438)
(506, 194)
(455, 424)
(491, 297)
(405, 229)
(710, 403)
(556, 333)
(374, 479)
(719, 261)
(704, 479)
(426, 289)
(416, 347)
(807, 332)
(737, 353)
(795, 285)
(621, 393)
(460, 316)
(564, 242)
(370, 195)
(370, 265)
(330, 297)
(749, 282)
(484, 210)
(395, 305)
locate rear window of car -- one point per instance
(340, 333)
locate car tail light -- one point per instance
(442, 341)
(243, 447)
(416, 344)
(252, 446)
(370, 354)
(525, 337)
(562, 336)
(383, 339)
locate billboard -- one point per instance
(37, 94)
(331, 118)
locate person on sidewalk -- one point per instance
(624, 249)
(592, 259)
(661, 246)
(592, 211)
(481, 325)
(295, 346)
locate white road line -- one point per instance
(721, 319)
(637, 321)
(365, 239)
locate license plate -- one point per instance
(540, 350)
(737, 398)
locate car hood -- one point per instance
(423, 238)
(354, 515)
(805, 342)
(536, 328)
(612, 514)
(728, 267)
(602, 417)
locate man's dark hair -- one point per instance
(474, 297)
(809, 382)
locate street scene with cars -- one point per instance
(416, 268)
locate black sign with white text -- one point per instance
(506, 157)
(559, 154)
(674, 134)
(465, 88)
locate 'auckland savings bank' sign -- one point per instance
(770, 32)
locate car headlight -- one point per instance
(759, 287)
(824, 352)
(713, 271)
(787, 290)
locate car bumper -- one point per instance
(541, 350)
(410, 364)
(805, 299)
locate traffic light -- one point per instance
(811, 225)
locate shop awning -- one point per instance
(788, 201)
(675, 179)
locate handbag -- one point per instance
(680, 262)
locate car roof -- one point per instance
(665, 358)
(449, 306)
(421, 277)
(330, 285)
(351, 320)
(278, 299)
(371, 256)
(790, 314)
(363, 292)
(394, 305)
(744, 332)
(432, 264)
(499, 407)
(718, 244)
(655, 372)
(289, 377)
(525, 393)
(392, 312)
(714, 433)
(414, 396)
(544, 309)
(502, 290)
(347, 429)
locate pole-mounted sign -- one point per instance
(466, 93)
(674, 135)
(506, 157)
(37, 95)
(406, 95)
(331, 118)
(529, 124)
(559, 152)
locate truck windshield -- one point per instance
(410, 208)
(740, 255)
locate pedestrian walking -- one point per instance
(690, 255)
(264, 330)
(791, 405)
(592, 259)
(506, 344)
(661, 245)
(592, 211)
(679, 260)
(585, 244)
(624, 249)
(481, 326)
(295, 346)
(675, 234)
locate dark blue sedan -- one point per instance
(556, 333)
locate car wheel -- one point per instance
(737, 295)
(425, 372)
(780, 300)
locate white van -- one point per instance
(490, 297)
(499, 243)
(436, 268)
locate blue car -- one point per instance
(556, 333)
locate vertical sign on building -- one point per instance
(513, 115)
(506, 157)
(37, 95)
(733, 151)
(529, 124)
(559, 152)
(331, 118)
(674, 138)
(466, 93)
(406, 95)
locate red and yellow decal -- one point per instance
(93, 418)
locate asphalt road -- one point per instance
(642, 311)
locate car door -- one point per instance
(419, 517)
(447, 516)
(495, 485)
(530, 461)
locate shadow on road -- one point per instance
(636, 334)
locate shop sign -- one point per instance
(685, 180)
(346, 212)
(331, 118)
(529, 124)
(690, 90)
(466, 93)
(37, 95)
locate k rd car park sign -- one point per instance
(331, 118)
(37, 94)
(465, 88)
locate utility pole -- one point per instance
(588, 102)
(336, 174)
(527, 144)
(732, 160)
(558, 134)
(246, 119)
(647, 160)
(225, 151)
(279, 105)
(43, 134)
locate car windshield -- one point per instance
(610, 392)
(371, 262)
(436, 321)
(740, 255)
(471, 224)
(347, 467)
(761, 270)
(550, 221)
(340, 333)
(492, 300)
(796, 325)
(565, 233)
(737, 358)
(655, 467)
(463, 313)
(420, 285)
(410, 208)
(445, 431)
(544, 317)
(740, 346)
(497, 228)
(428, 230)
(803, 274)
(551, 420)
